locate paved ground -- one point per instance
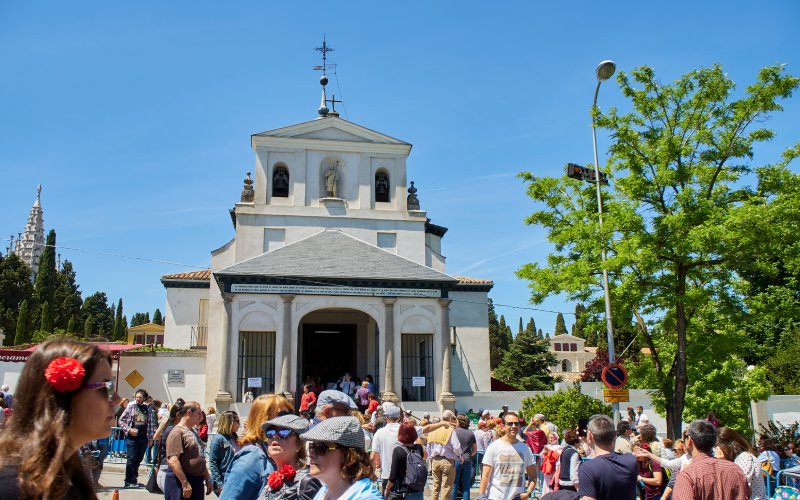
(114, 476)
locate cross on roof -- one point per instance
(333, 102)
(324, 49)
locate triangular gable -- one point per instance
(331, 128)
(334, 254)
(566, 336)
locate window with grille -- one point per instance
(573, 347)
(417, 361)
(557, 346)
(256, 360)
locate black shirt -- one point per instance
(609, 477)
(9, 486)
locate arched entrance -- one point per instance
(335, 341)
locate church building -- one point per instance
(333, 268)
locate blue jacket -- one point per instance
(220, 456)
(363, 489)
(247, 474)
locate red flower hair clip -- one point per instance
(65, 374)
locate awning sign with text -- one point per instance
(361, 291)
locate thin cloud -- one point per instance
(493, 257)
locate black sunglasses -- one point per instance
(321, 449)
(513, 424)
(279, 433)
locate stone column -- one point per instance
(284, 386)
(223, 399)
(388, 342)
(447, 400)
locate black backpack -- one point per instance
(416, 471)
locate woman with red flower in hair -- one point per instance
(290, 480)
(65, 398)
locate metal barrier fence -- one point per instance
(117, 449)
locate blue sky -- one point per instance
(136, 117)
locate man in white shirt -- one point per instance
(505, 463)
(384, 442)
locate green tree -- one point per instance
(15, 286)
(46, 323)
(22, 331)
(71, 325)
(564, 408)
(679, 165)
(505, 335)
(530, 327)
(67, 296)
(157, 318)
(47, 275)
(88, 326)
(561, 327)
(119, 328)
(526, 363)
(495, 341)
(102, 321)
(520, 329)
(782, 372)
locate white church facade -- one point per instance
(333, 267)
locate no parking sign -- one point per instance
(614, 376)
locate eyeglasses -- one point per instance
(322, 449)
(108, 385)
(278, 433)
(512, 424)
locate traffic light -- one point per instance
(587, 174)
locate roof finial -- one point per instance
(323, 80)
(38, 202)
(412, 201)
(248, 195)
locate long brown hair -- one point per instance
(35, 441)
(732, 443)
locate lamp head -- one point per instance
(605, 70)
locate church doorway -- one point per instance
(329, 351)
(332, 342)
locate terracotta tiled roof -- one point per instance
(568, 377)
(203, 275)
(470, 281)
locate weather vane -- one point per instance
(323, 80)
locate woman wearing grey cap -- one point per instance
(291, 479)
(339, 460)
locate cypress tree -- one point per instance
(146, 318)
(71, 325)
(520, 326)
(125, 328)
(495, 354)
(157, 318)
(540, 334)
(531, 327)
(46, 324)
(118, 328)
(87, 326)
(47, 277)
(505, 334)
(561, 327)
(22, 324)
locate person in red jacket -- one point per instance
(308, 399)
(535, 438)
(202, 429)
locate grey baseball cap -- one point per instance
(291, 422)
(345, 431)
(336, 398)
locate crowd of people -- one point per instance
(348, 445)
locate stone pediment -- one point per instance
(330, 129)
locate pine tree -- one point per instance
(157, 318)
(88, 326)
(22, 324)
(46, 323)
(495, 352)
(561, 327)
(71, 325)
(67, 297)
(527, 362)
(531, 327)
(540, 334)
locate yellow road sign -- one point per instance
(615, 395)
(134, 378)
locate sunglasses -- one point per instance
(278, 433)
(322, 449)
(512, 424)
(108, 385)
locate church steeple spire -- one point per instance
(30, 245)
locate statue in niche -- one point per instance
(381, 187)
(331, 181)
(280, 183)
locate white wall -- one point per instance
(153, 366)
(182, 313)
(470, 367)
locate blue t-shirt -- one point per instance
(608, 477)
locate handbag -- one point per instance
(152, 481)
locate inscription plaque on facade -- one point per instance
(334, 290)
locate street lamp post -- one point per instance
(604, 71)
